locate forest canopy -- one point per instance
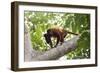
(38, 23)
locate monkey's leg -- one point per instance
(62, 40)
(57, 41)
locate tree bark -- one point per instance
(52, 54)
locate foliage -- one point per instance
(39, 22)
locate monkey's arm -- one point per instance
(58, 39)
(50, 42)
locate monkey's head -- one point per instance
(49, 32)
(47, 38)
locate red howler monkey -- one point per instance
(56, 33)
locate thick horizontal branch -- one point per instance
(59, 51)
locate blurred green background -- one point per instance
(39, 22)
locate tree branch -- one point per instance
(59, 51)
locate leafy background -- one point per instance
(39, 22)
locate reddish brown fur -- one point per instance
(56, 33)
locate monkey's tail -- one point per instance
(72, 33)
